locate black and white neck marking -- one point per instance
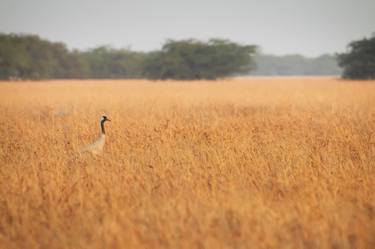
(102, 121)
(102, 126)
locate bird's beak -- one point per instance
(108, 119)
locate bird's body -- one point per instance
(97, 147)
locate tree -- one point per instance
(359, 61)
(192, 59)
(30, 57)
(106, 62)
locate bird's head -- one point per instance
(104, 119)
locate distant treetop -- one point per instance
(359, 61)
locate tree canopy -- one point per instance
(359, 61)
(30, 57)
(106, 62)
(192, 59)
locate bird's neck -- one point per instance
(102, 127)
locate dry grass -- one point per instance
(250, 163)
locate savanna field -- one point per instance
(238, 163)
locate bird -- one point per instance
(96, 147)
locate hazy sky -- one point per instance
(310, 27)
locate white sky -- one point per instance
(309, 27)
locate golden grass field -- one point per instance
(239, 163)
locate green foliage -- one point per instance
(192, 59)
(30, 57)
(359, 61)
(105, 62)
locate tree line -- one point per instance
(30, 57)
